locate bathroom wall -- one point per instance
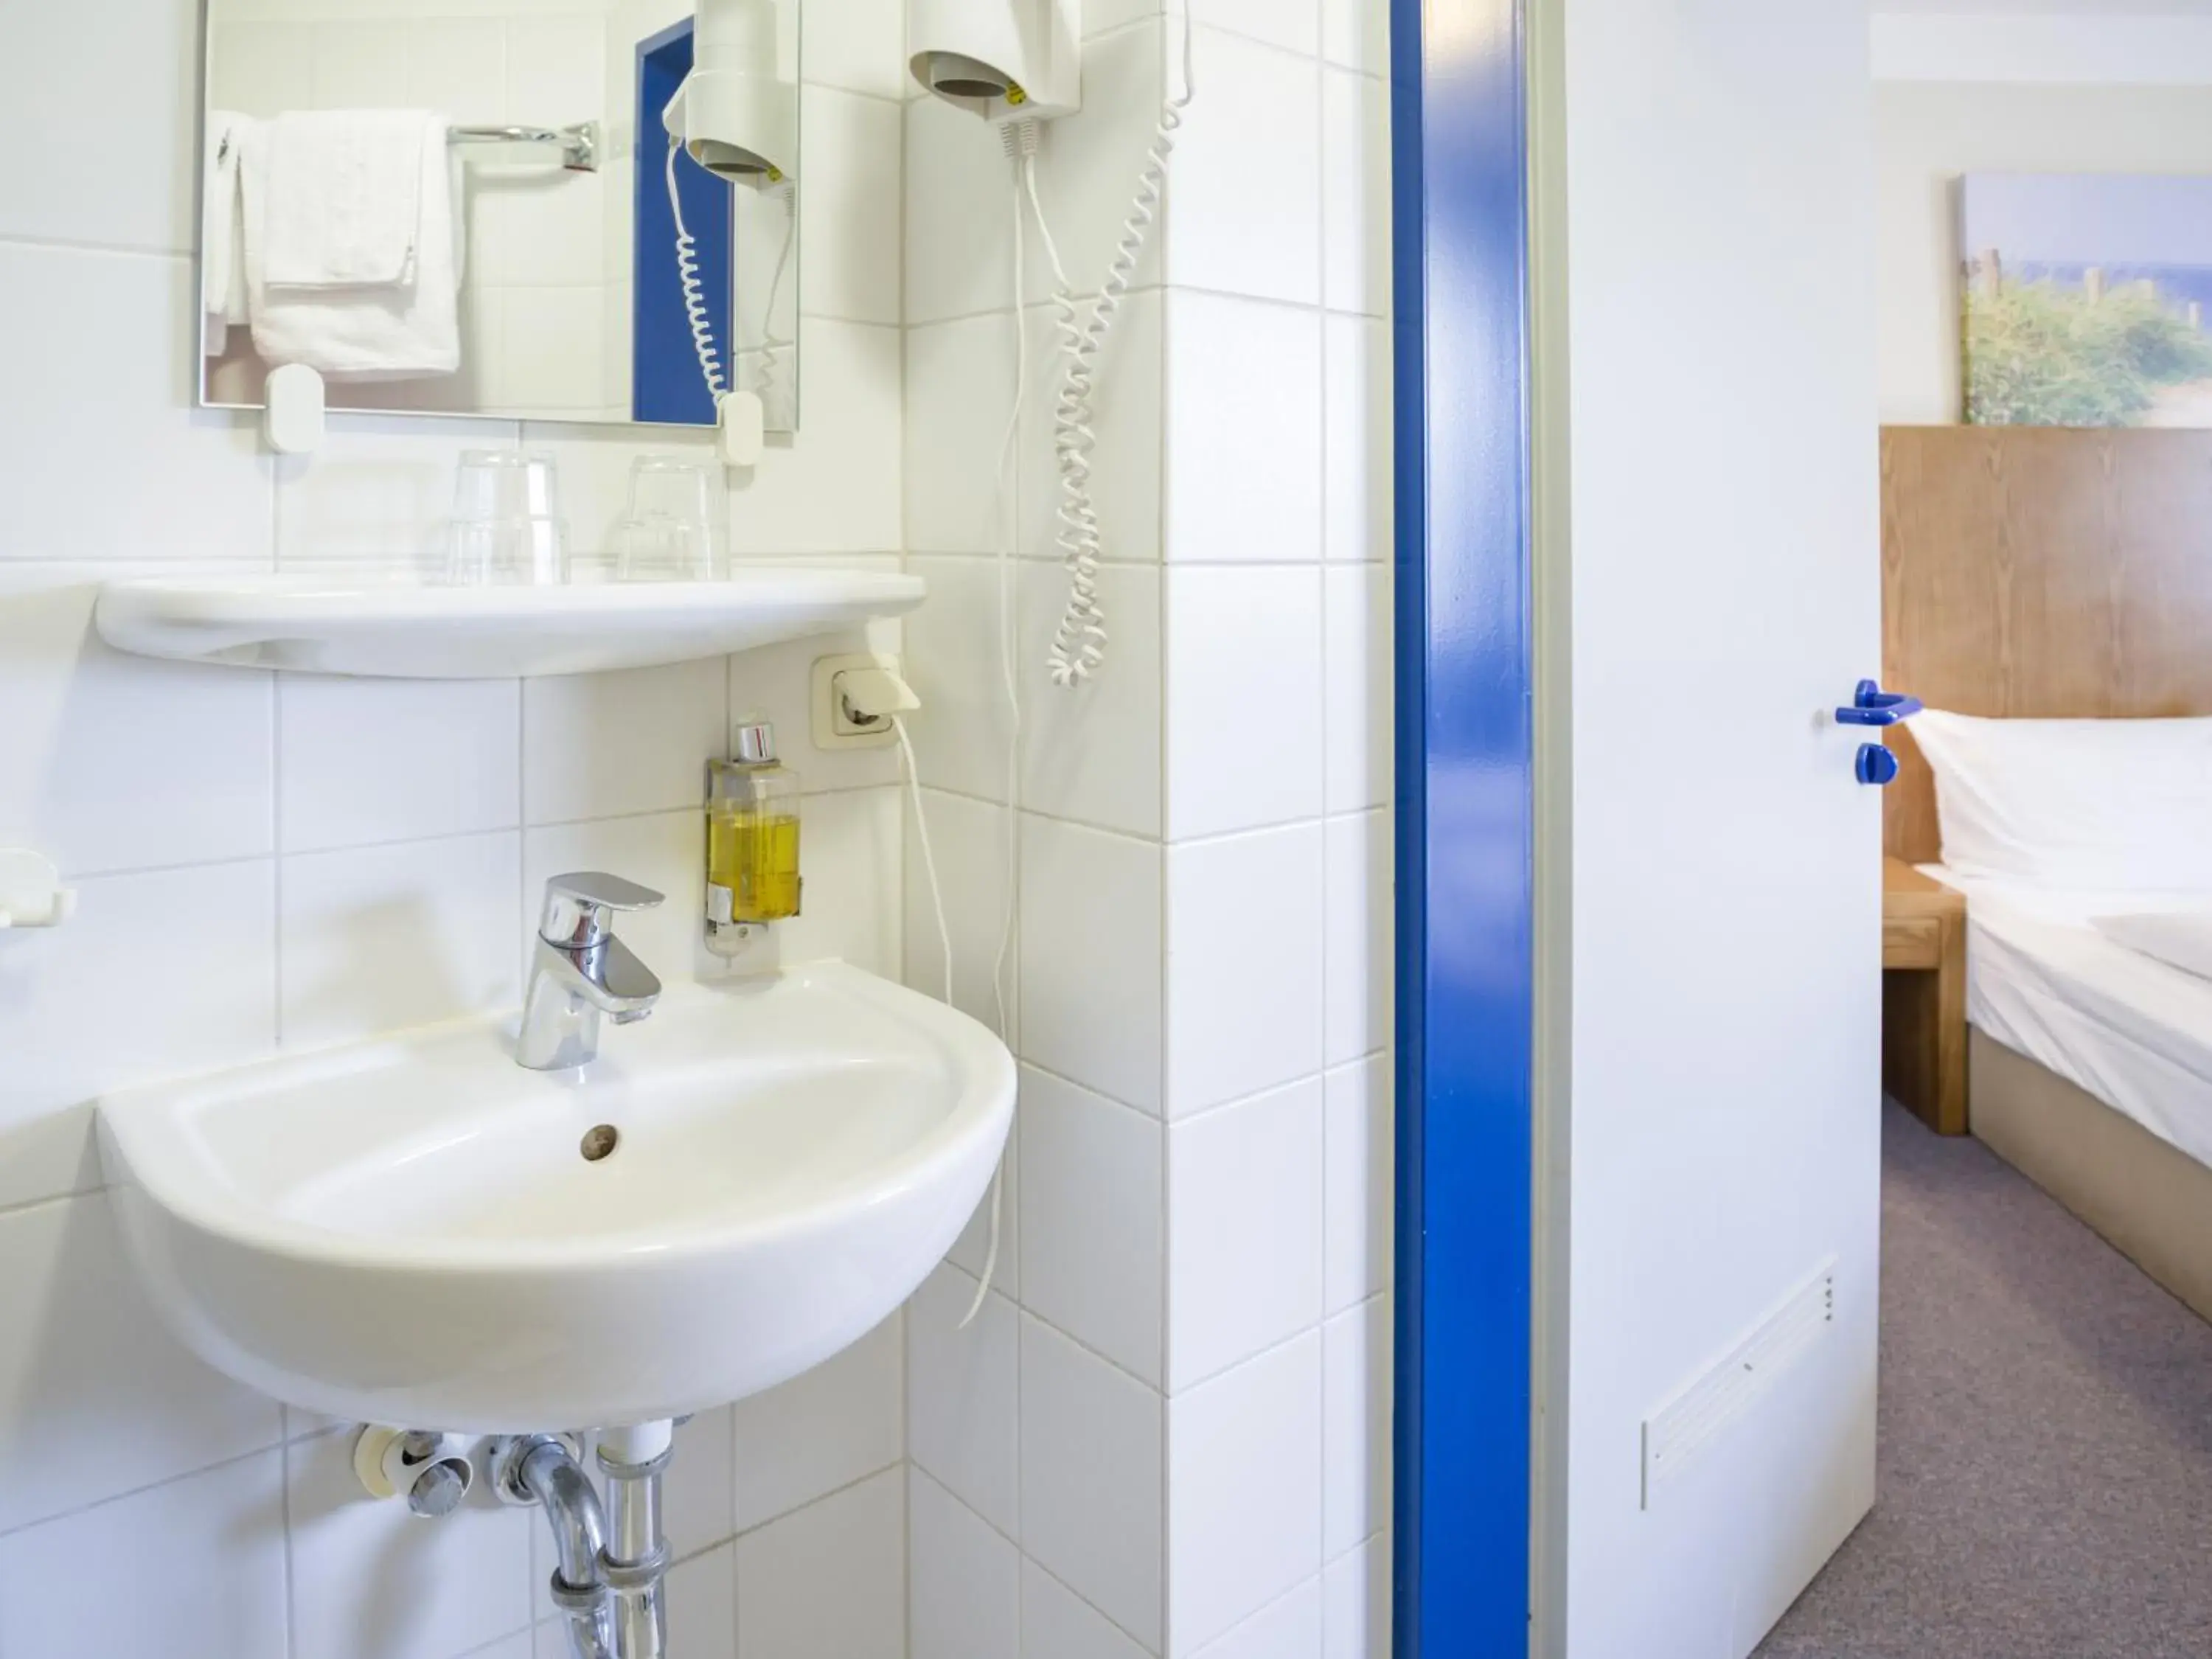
(269, 864)
(1168, 1431)
(2025, 94)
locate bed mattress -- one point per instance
(2125, 1027)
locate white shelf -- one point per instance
(405, 630)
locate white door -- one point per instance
(1710, 162)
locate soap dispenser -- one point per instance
(752, 840)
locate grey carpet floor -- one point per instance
(2046, 1437)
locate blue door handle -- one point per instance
(1872, 705)
(1877, 767)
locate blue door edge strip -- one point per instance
(1465, 801)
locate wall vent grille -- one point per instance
(1676, 1435)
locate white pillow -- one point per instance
(2180, 938)
(2122, 805)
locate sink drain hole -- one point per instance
(599, 1142)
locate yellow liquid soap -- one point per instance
(755, 857)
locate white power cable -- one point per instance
(695, 294)
(1079, 645)
(772, 344)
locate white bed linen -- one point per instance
(2134, 1031)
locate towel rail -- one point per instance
(579, 144)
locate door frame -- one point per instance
(1466, 812)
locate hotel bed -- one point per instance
(2047, 575)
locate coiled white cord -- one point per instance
(694, 294)
(1079, 645)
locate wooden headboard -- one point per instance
(2039, 572)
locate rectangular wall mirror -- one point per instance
(462, 207)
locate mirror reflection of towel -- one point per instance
(222, 251)
(398, 317)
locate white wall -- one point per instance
(1168, 1434)
(2009, 89)
(268, 863)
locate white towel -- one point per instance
(222, 251)
(390, 331)
(345, 197)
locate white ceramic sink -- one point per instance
(408, 1231)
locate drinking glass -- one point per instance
(506, 528)
(668, 534)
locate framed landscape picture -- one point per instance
(2086, 298)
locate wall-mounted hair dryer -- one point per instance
(1002, 59)
(734, 114)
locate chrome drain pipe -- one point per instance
(540, 1469)
(634, 1562)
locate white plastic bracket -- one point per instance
(31, 890)
(293, 417)
(742, 420)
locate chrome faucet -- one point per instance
(580, 971)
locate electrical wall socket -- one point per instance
(834, 728)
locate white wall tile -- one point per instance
(702, 1606)
(377, 490)
(1093, 753)
(857, 44)
(1361, 436)
(1091, 958)
(533, 225)
(1355, 1404)
(830, 1582)
(851, 847)
(1293, 24)
(1362, 971)
(608, 746)
(122, 995)
(959, 215)
(127, 181)
(555, 64)
(457, 64)
(190, 1571)
(1357, 630)
(966, 1594)
(529, 377)
(1355, 124)
(1058, 1624)
(1093, 1236)
(699, 1504)
(1244, 1455)
(1288, 1629)
(1243, 214)
(837, 1423)
(1361, 1183)
(837, 488)
(972, 1251)
(1244, 1212)
(959, 399)
(1244, 663)
(106, 460)
(1356, 1603)
(964, 1396)
(1357, 34)
(1088, 165)
(666, 852)
(1091, 1468)
(257, 67)
(356, 65)
(380, 939)
(1243, 431)
(952, 645)
(90, 729)
(468, 1578)
(359, 763)
(976, 871)
(1127, 453)
(96, 1398)
(1244, 965)
(849, 212)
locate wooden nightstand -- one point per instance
(1923, 996)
